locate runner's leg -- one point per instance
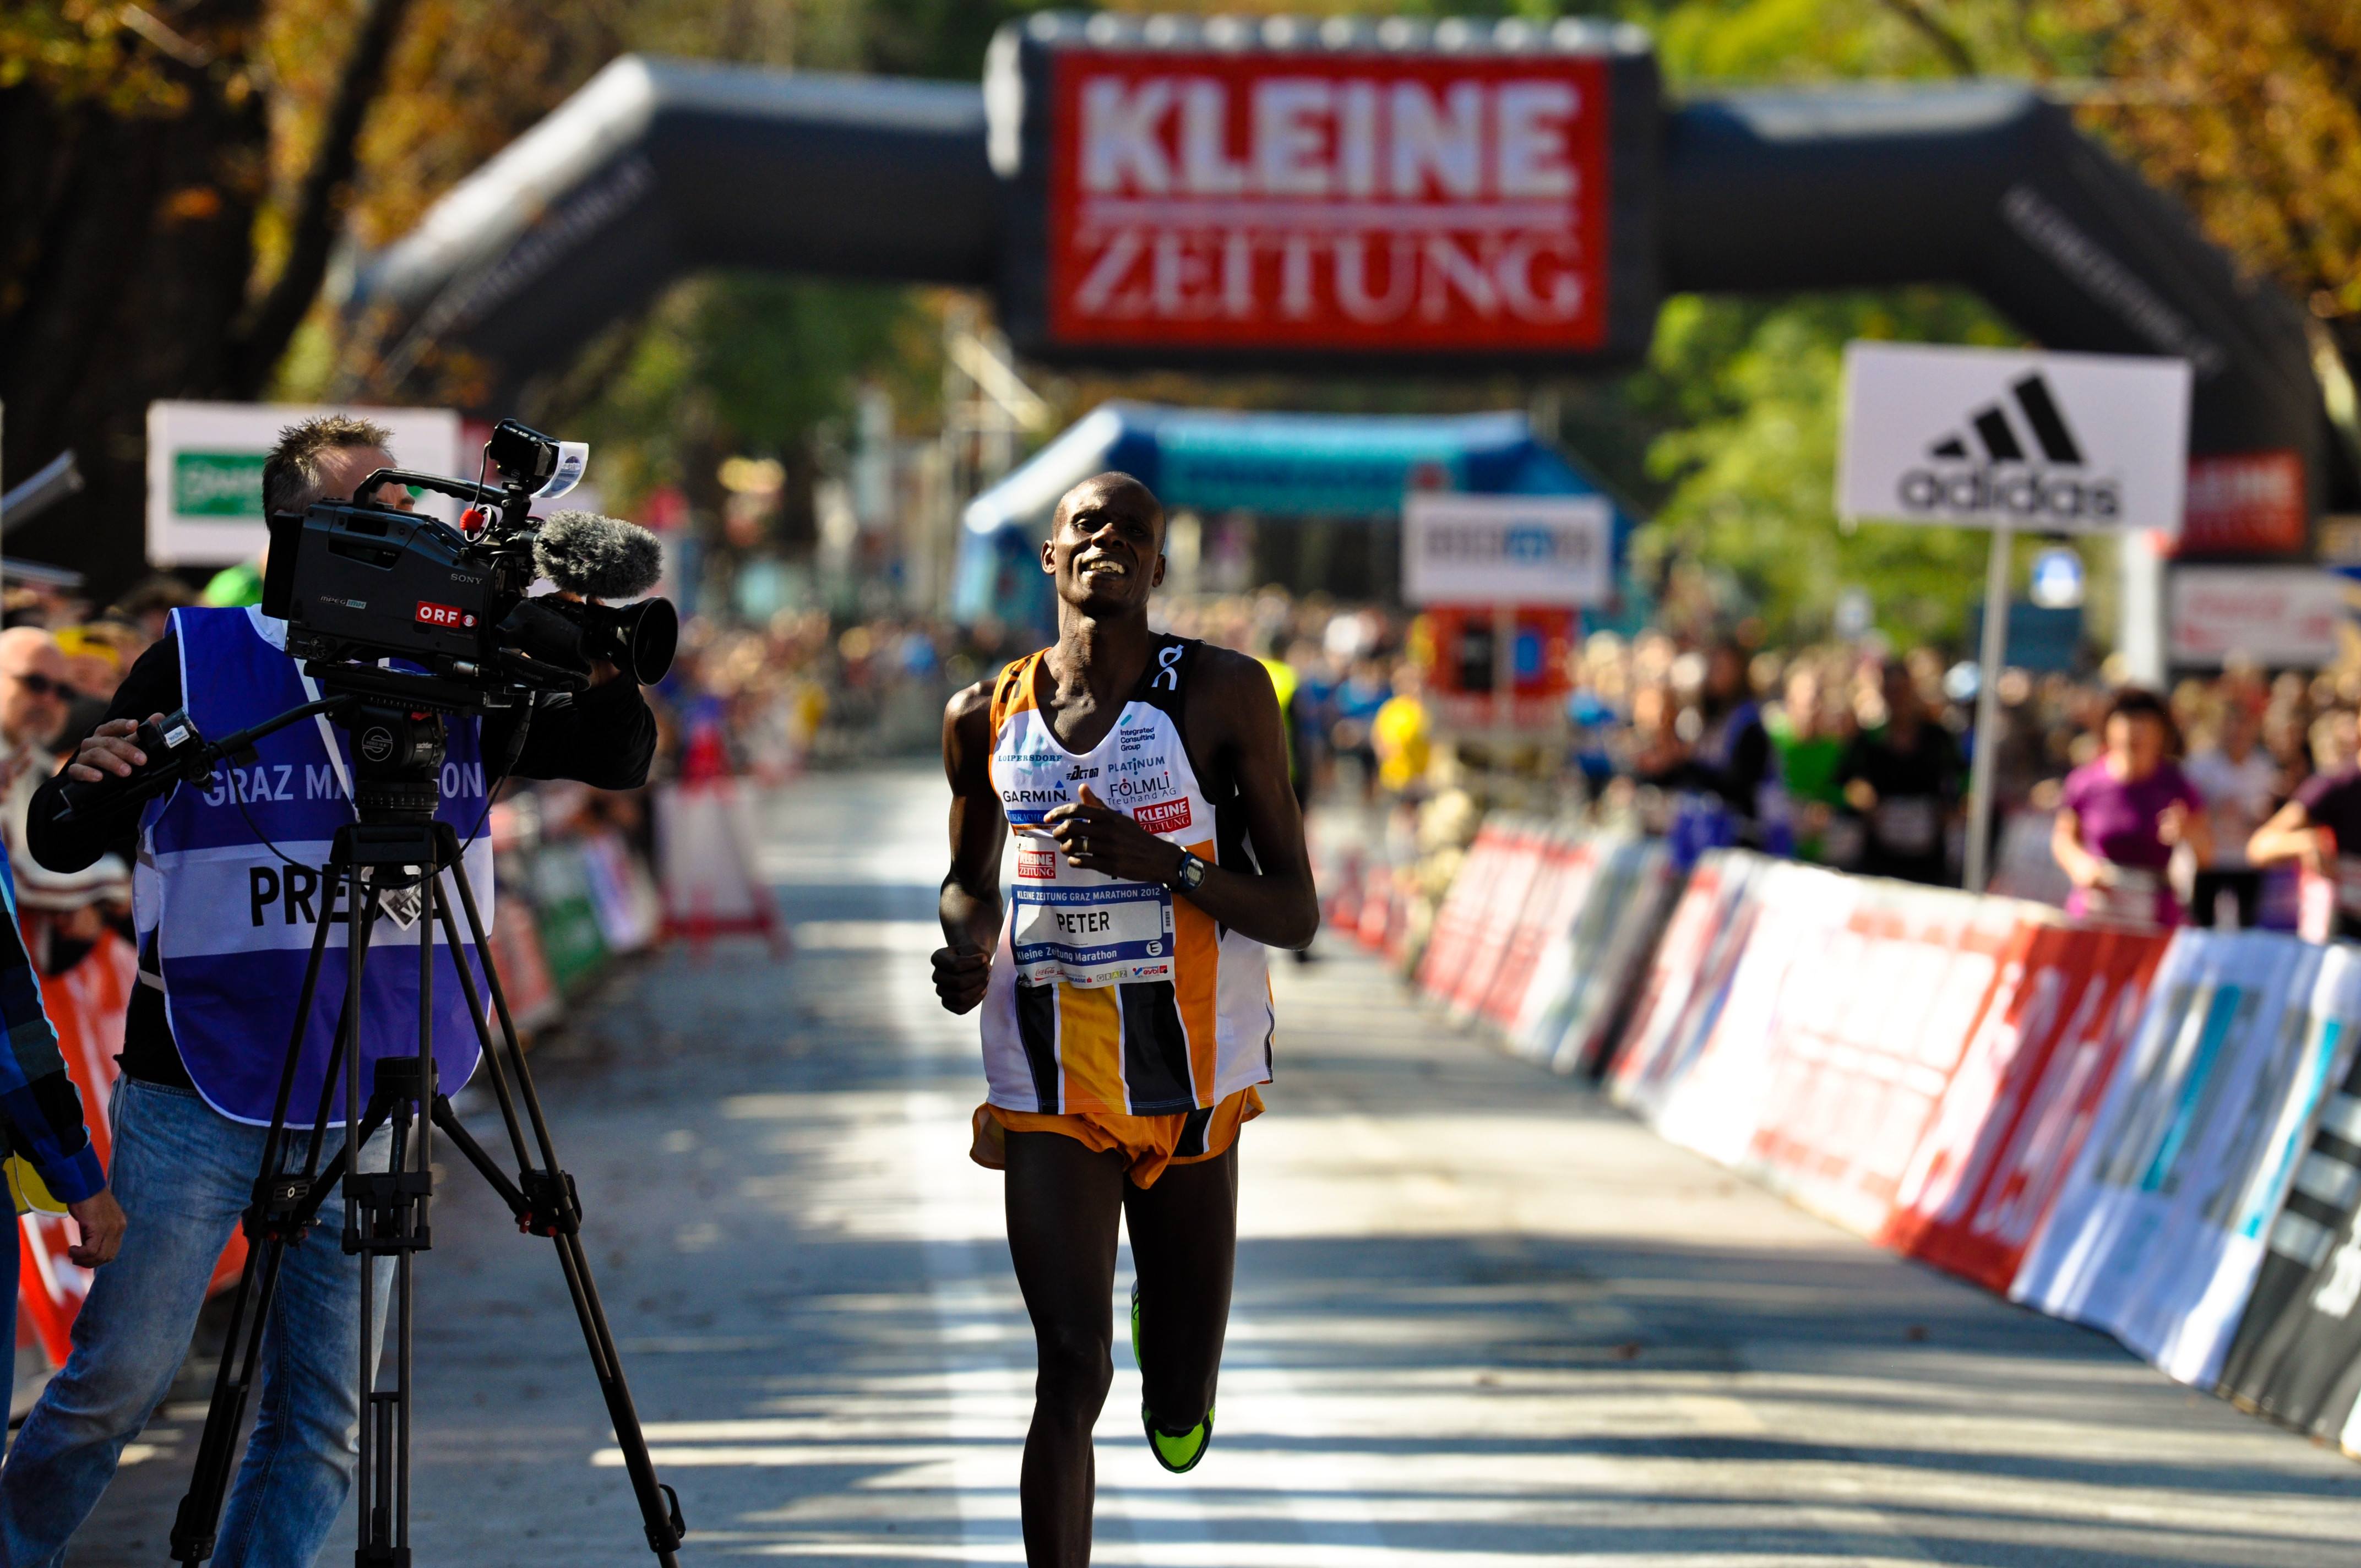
(1185, 1246)
(1063, 1200)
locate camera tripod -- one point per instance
(397, 846)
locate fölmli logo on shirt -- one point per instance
(1987, 468)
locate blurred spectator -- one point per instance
(235, 586)
(1810, 744)
(1363, 693)
(62, 914)
(146, 607)
(1402, 734)
(1902, 781)
(2124, 812)
(2239, 782)
(1728, 780)
(2319, 829)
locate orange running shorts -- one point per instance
(1148, 1143)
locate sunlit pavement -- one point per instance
(1482, 1318)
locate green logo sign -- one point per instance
(218, 484)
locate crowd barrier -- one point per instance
(705, 844)
(2158, 1135)
(1541, 933)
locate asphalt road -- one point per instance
(1483, 1320)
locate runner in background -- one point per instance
(2122, 813)
(1902, 780)
(1725, 786)
(1811, 748)
(2240, 783)
(2320, 828)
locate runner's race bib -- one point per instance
(1910, 824)
(2348, 885)
(2127, 895)
(1098, 935)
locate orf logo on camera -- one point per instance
(433, 614)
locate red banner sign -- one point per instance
(1223, 200)
(2244, 503)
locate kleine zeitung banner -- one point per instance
(1239, 198)
(2055, 442)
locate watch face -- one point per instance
(1192, 873)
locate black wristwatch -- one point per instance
(1190, 875)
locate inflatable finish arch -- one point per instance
(660, 167)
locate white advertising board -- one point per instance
(2073, 443)
(1507, 549)
(2278, 615)
(204, 471)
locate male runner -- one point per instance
(1127, 1013)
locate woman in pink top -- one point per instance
(2122, 814)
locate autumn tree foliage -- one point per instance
(179, 179)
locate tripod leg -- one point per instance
(659, 1506)
(363, 914)
(196, 1525)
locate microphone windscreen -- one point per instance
(599, 557)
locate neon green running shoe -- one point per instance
(1176, 1450)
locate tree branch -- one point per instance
(1947, 43)
(258, 341)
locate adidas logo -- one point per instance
(1989, 470)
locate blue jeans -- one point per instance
(9, 1261)
(184, 1174)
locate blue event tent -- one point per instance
(1277, 466)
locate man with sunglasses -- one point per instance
(34, 694)
(35, 699)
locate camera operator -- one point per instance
(207, 1035)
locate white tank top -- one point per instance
(1107, 995)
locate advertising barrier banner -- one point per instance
(1717, 1105)
(1463, 910)
(1619, 929)
(705, 856)
(1863, 1038)
(2157, 1234)
(2296, 1351)
(1568, 862)
(1687, 980)
(2015, 1113)
(1509, 906)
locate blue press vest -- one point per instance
(230, 924)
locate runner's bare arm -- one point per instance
(970, 903)
(1233, 719)
(2288, 836)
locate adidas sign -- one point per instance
(1994, 472)
(1985, 437)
